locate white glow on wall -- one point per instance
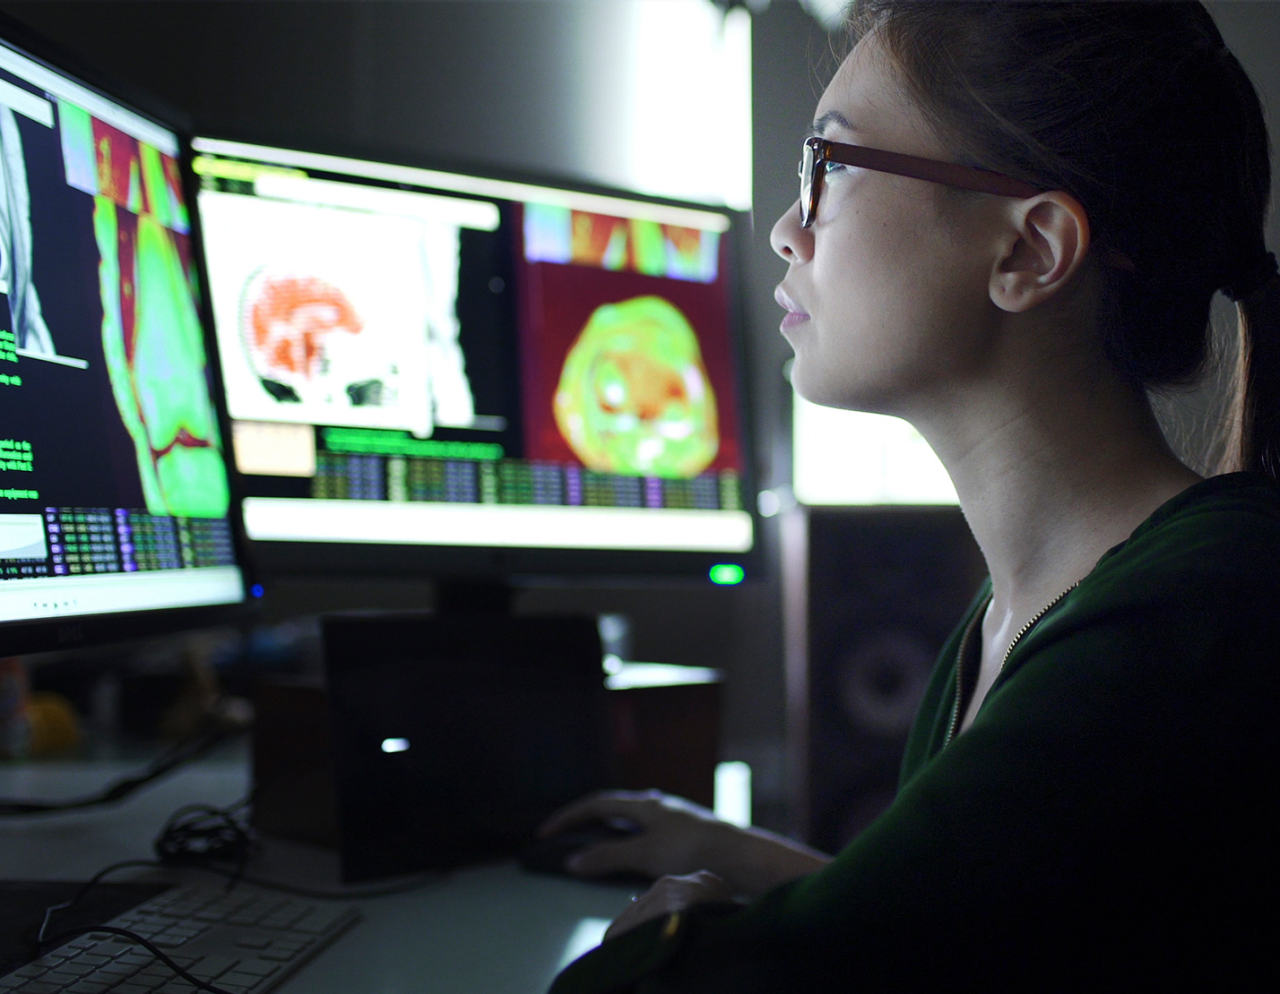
(846, 457)
(828, 13)
(395, 745)
(686, 107)
(733, 793)
(628, 676)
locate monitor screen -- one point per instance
(422, 360)
(114, 494)
(848, 457)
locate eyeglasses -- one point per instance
(818, 152)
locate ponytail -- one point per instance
(1253, 422)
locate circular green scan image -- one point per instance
(634, 397)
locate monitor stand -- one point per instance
(456, 596)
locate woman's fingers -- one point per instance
(625, 855)
(635, 806)
(671, 894)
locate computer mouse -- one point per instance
(548, 855)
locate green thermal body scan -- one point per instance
(634, 397)
(163, 395)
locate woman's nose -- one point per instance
(789, 240)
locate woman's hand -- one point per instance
(677, 838)
(670, 894)
(674, 836)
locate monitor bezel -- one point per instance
(35, 635)
(518, 565)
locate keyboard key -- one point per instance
(93, 959)
(249, 940)
(152, 981)
(30, 972)
(40, 987)
(212, 966)
(257, 967)
(62, 978)
(87, 987)
(76, 967)
(118, 970)
(129, 987)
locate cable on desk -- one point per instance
(404, 887)
(147, 944)
(197, 835)
(200, 832)
(417, 882)
(170, 760)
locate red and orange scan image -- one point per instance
(600, 241)
(287, 318)
(634, 395)
(119, 168)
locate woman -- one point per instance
(1087, 796)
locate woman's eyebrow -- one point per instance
(831, 117)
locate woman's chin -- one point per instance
(838, 395)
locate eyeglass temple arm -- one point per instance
(948, 173)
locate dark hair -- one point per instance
(1140, 112)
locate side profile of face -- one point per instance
(888, 292)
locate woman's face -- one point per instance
(887, 291)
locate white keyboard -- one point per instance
(244, 942)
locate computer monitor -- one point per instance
(458, 375)
(116, 518)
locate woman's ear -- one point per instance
(1048, 239)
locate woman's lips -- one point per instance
(794, 315)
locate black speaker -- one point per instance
(872, 595)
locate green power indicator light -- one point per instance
(726, 574)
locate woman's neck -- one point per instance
(1052, 476)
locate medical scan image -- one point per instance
(634, 396)
(151, 335)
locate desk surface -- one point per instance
(491, 929)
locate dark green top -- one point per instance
(1108, 820)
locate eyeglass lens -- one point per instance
(807, 184)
